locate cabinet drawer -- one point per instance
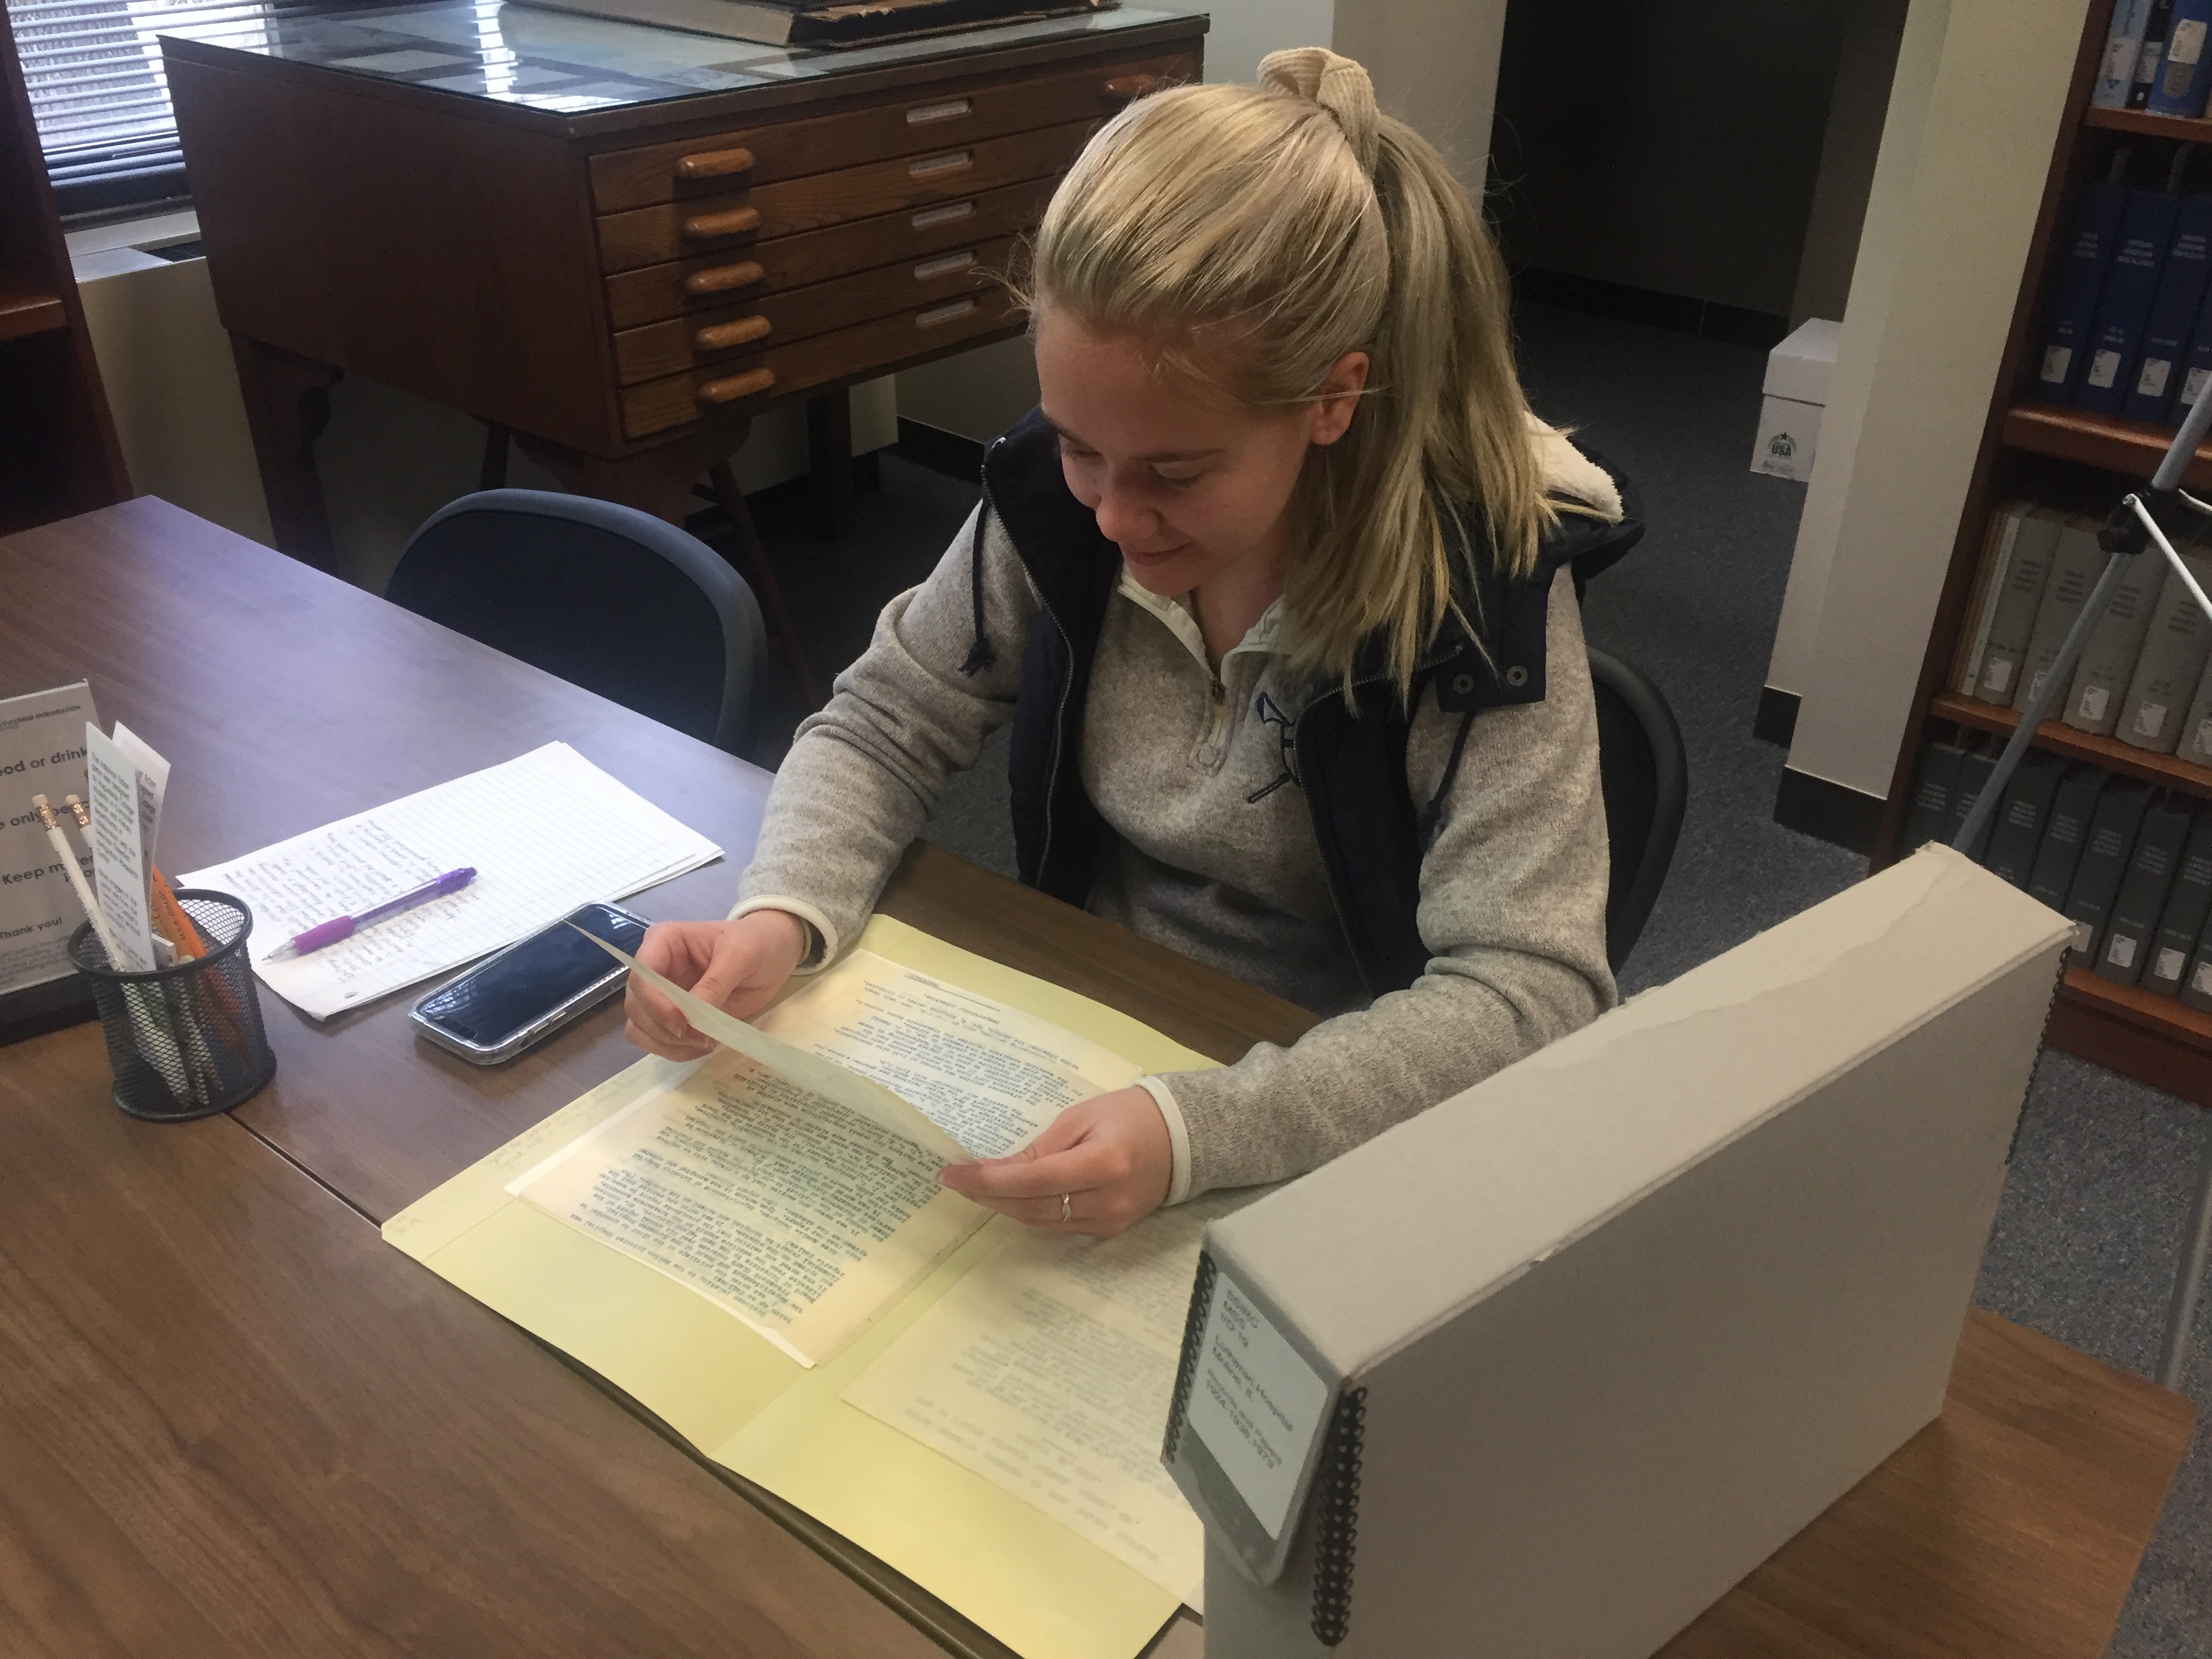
(751, 327)
(917, 122)
(714, 280)
(876, 347)
(673, 230)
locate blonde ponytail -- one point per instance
(1252, 236)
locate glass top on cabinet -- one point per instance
(564, 63)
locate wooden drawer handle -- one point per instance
(736, 386)
(1127, 87)
(703, 225)
(944, 264)
(714, 164)
(930, 218)
(937, 315)
(719, 279)
(955, 160)
(950, 110)
(722, 336)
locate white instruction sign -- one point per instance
(1256, 1404)
(41, 753)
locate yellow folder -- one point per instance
(1021, 1576)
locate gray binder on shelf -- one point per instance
(1545, 1370)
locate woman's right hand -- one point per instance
(736, 965)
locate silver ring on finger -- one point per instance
(1067, 1208)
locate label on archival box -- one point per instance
(41, 753)
(1256, 1404)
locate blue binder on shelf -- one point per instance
(2171, 325)
(2197, 366)
(2116, 76)
(2080, 281)
(2130, 283)
(2184, 76)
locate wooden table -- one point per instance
(618, 244)
(233, 1421)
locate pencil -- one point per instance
(93, 914)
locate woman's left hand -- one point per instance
(1109, 1154)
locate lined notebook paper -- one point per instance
(547, 831)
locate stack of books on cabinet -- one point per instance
(2111, 819)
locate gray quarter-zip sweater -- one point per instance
(1214, 853)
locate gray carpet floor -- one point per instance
(2086, 1235)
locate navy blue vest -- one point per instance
(1351, 748)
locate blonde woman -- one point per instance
(1275, 587)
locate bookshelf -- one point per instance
(58, 453)
(2063, 739)
(2109, 442)
(2087, 460)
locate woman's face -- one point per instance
(1188, 489)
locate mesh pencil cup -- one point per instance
(184, 1041)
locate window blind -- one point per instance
(93, 71)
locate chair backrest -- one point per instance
(1645, 772)
(606, 596)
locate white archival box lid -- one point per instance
(1408, 1232)
(1802, 366)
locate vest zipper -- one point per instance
(1058, 731)
(1327, 846)
(1313, 815)
(1060, 713)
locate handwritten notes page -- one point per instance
(802, 1216)
(546, 832)
(1048, 1371)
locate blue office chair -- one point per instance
(1645, 772)
(606, 596)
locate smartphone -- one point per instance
(530, 990)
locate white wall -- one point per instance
(1974, 119)
(1245, 31)
(1435, 65)
(166, 364)
(1882, 241)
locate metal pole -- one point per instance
(2183, 450)
(2055, 680)
(2188, 1278)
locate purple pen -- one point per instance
(338, 927)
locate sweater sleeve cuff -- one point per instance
(1178, 1136)
(821, 937)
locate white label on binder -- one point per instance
(2150, 719)
(2186, 44)
(2104, 366)
(2056, 360)
(1255, 1403)
(2204, 978)
(2093, 702)
(2152, 381)
(1996, 674)
(2169, 964)
(2121, 952)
